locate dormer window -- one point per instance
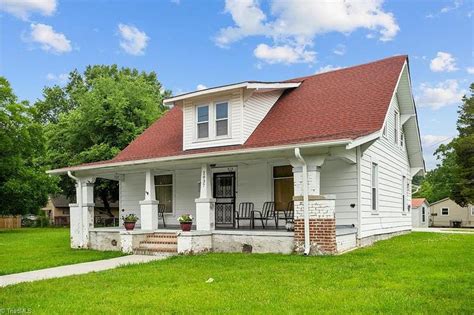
(203, 121)
(222, 119)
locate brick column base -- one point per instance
(322, 236)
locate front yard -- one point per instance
(415, 273)
(32, 249)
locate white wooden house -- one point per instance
(420, 213)
(339, 147)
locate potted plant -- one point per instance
(186, 221)
(129, 221)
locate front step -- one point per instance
(157, 244)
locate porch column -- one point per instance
(82, 213)
(205, 204)
(321, 209)
(149, 206)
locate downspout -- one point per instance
(79, 196)
(307, 246)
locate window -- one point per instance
(203, 122)
(222, 119)
(404, 179)
(283, 189)
(396, 126)
(423, 215)
(444, 211)
(164, 191)
(472, 211)
(402, 139)
(375, 175)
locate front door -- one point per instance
(224, 193)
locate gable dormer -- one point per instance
(225, 115)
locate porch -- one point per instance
(214, 192)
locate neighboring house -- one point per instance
(447, 213)
(339, 148)
(57, 210)
(420, 213)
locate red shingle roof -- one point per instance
(417, 202)
(342, 104)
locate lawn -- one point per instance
(32, 249)
(415, 273)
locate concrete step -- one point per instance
(162, 235)
(147, 245)
(160, 241)
(153, 252)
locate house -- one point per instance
(57, 210)
(420, 213)
(333, 154)
(447, 213)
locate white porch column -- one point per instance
(149, 206)
(205, 204)
(82, 213)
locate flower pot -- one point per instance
(129, 226)
(186, 226)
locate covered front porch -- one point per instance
(248, 202)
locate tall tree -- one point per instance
(463, 147)
(96, 115)
(24, 185)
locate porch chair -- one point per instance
(245, 212)
(290, 212)
(268, 212)
(161, 212)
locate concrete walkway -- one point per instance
(443, 230)
(77, 269)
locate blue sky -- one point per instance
(195, 44)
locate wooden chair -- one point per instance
(245, 212)
(268, 212)
(161, 212)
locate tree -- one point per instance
(24, 185)
(463, 147)
(96, 115)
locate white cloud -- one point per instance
(24, 8)
(295, 24)
(434, 140)
(470, 70)
(59, 78)
(133, 41)
(201, 87)
(49, 39)
(440, 95)
(443, 62)
(284, 54)
(328, 68)
(456, 4)
(340, 50)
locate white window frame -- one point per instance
(221, 119)
(441, 211)
(384, 131)
(472, 210)
(374, 186)
(396, 129)
(197, 122)
(423, 214)
(402, 139)
(173, 190)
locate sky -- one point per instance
(197, 44)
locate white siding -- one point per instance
(234, 100)
(392, 163)
(340, 178)
(254, 184)
(256, 108)
(132, 190)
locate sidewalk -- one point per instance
(76, 269)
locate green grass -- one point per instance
(32, 249)
(415, 273)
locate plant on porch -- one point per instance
(186, 221)
(129, 221)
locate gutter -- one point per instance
(307, 245)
